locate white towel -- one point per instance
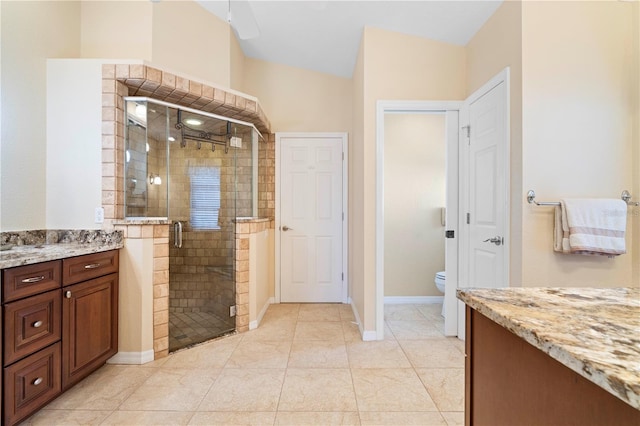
(590, 226)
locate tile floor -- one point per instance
(188, 328)
(305, 365)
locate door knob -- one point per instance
(495, 240)
(286, 228)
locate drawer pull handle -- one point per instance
(37, 324)
(33, 279)
(37, 381)
(92, 266)
(67, 294)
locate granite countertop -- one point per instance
(28, 247)
(594, 332)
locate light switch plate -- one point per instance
(99, 215)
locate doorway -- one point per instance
(311, 207)
(449, 112)
(464, 189)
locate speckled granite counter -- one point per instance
(30, 247)
(594, 332)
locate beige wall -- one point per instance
(135, 313)
(260, 291)
(635, 212)
(414, 195)
(298, 100)
(395, 66)
(190, 40)
(237, 60)
(31, 33)
(498, 44)
(104, 34)
(356, 183)
(577, 128)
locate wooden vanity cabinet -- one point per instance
(90, 320)
(59, 324)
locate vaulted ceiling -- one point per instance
(325, 35)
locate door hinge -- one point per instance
(343, 216)
(232, 311)
(343, 276)
(468, 130)
(468, 218)
(343, 156)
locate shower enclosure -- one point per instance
(199, 170)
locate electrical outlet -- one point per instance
(232, 311)
(99, 215)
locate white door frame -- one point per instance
(345, 206)
(502, 77)
(383, 107)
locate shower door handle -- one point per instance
(177, 234)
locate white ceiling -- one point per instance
(325, 35)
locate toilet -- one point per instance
(440, 280)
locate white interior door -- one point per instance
(311, 219)
(484, 192)
(487, 190)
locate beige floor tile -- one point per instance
(103, 390)
(260, 354)
(233, 418)
(402, 313)
(281, 311)
(317, 418)
(67, 417)
(208, 355)
(172, 389)
(460, 344)
(431, 311)
(402, 418)
(318, 330)
(413, 330)
(351, 331)
(318, 354)
(432, 353)
(245, 390)
(378, 354)
(140, 418)
(390, 390)
(346, 312)
(319, 389)
(454, 418)
(388, 334)
(319, 312)
(445, 385)
(281, 329)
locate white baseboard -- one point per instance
(414, 300)
(367, 336)
(254, 324)
(135, 358)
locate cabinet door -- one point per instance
(89, 327)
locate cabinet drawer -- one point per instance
(23, 281)
(81, 268)
(31, 324)
(30, 383)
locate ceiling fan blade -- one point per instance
(242, 19)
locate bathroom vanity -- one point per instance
(552, 356)
(59, 320)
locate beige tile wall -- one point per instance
(141, 80)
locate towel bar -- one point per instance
(531, 199)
